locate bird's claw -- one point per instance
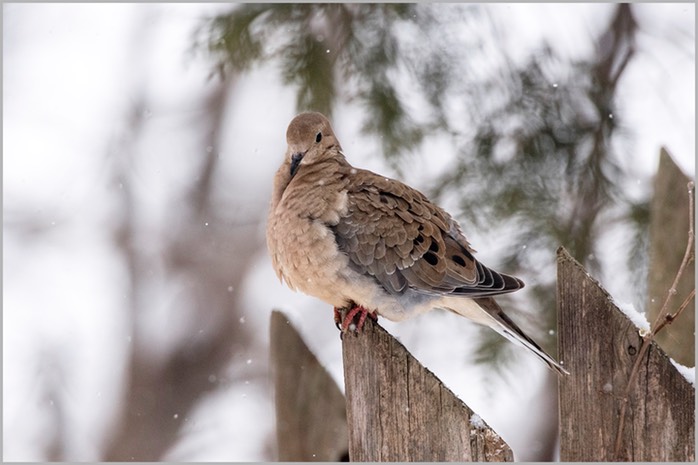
(344, 319)
(338, 318)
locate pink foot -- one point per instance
(351, 314)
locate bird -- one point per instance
(373, 246)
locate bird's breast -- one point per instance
(302, 246)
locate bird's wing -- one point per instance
(395, 234)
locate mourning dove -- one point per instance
(364, 242)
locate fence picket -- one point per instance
(598, 345)
(399, 411)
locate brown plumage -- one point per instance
(352, 237)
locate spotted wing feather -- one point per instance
(395, 234)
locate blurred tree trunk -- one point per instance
(668, 236)
(212, 256)
(207, 255)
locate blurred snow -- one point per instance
(227, 425)
(70, 73)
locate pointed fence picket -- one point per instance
(397, 410)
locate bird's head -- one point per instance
(310, 139)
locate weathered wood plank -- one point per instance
(668, 235)
(399, 411)
(598, 345)
(311, 422)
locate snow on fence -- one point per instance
(397, 410)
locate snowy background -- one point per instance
(77, 80)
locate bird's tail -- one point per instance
(501, 323)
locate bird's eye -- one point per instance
(318, 138)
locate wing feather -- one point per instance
(395, 234)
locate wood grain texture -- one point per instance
(598, 345)
(399, 411)
(668, 235)
(311, 422)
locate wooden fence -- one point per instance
(397, 410)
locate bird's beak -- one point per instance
(296, 162)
